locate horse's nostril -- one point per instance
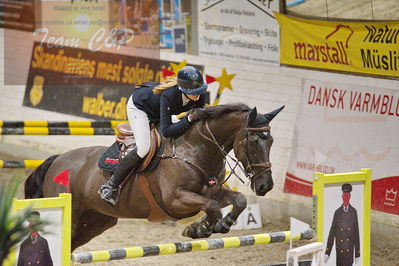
(270, 183)
(265, 188)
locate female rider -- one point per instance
(157, 104)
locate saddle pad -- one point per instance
(109, 161)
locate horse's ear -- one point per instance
(252, 115)
(272, 114)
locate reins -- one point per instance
(251, 175)
(175, 156)
(248, 170)
(186, 160)
(224, 153)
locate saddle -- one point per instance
(124, 143)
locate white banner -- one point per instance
(244, 30)
(343, 128)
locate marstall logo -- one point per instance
(330, 52)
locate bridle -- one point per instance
(248, 170)
(250, 174)
(266, 165)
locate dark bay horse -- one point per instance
(181, 185)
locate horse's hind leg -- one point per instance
(89, 225)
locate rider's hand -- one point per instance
(357, 260)
(326, 257)
(194, 116)
(175, 119)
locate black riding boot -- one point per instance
(109, 190)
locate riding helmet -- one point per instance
(190, 81)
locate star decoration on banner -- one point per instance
(166, 72)
(224, 82)
(176, 67)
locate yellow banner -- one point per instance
(363, 47)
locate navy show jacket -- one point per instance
(161, 107)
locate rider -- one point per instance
(158, 104)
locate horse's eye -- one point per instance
(263, 135)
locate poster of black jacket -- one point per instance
(18, 15)
(79, 82)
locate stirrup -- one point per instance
(108, 196)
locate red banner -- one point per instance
(384, 195)
(296, 185)
(342, 128)
(384, 192)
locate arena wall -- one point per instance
(266, 87)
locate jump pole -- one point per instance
(189, 246)
(20, 164)
(57, 131)
(66, 124)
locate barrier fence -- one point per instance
(189, 246)
(28, 127)
(20, 164)
(57, 131)
(65, 124)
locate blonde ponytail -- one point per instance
(166, 84)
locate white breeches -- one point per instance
(140, 126)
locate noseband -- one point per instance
(248, 171)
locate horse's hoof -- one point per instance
(191, 231)
(203, 234)
(221, 228)
(185, 232)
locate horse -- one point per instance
(184, 183)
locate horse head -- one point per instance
(252, 149)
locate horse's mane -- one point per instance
(219, 110)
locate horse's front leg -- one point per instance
(225, 196)
(189, 202)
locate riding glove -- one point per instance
(194, 116)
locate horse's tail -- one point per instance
(34, 182)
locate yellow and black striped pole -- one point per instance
(217, 98)
(20, 164)
(64, 124)
(189, 246)
(57, 131)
